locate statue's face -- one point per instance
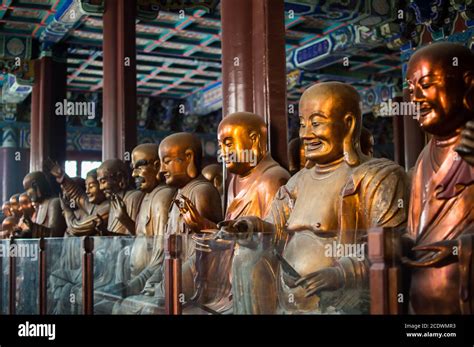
(6, 209)
(145, 170)
(109, 181)
(322, 128)
(14, 206)
(238, 151)
(93, 192)
(440, 94)
(174, 164)
(26, 206)
(33, 191)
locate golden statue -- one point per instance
(15, 206)
(147, 250)
(442, 195)
(320, 217)
(213, 173)
(26, 210)
(86, 211)
(181, 156)
(256, 179)
(113, 179)
(48, 219)
(8, 227)
(7, 212)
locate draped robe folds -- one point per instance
(67, 278)
(250, 267)
(147, 253)
(441, 208)
(207, 200)
(48, 220)
(373, 194)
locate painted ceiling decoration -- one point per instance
(363, 42)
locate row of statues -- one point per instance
(284, 243)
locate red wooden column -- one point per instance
(254, 65)
(119, 124)
(48, 130)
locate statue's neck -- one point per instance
(441, 148)
(326, 168)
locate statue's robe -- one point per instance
(251, 269)
(132, 200)
(207, 200)
(67, 277)
(328, 210)
(48, 219)
(92, 219)
(147, 253)
(441, 208)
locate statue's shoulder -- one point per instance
(275, 175)
(163, 192)
(133, 195)
(376, 172)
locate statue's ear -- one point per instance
(191, 169)
(349, 145)
(157, 164)
(469, 94)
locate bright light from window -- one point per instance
(71, 168)
(87, 166)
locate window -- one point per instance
(87, 166)
(71, 168)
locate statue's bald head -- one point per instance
(181, 158)
(112, 175)
(440, 80)
(37, 187)
(330, 123)
(213, 173)
(242, 139)
(249, 121)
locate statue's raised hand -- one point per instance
(55, 169)
(190, 214)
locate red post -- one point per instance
(119, 129)
(254, 66)
(48, 130)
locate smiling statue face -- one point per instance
(94, 194)
(322, 126)
(438, 87)
(111, 175)
(145, 165)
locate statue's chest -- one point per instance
(318, 202)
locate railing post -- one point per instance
(385, 271)
(12, 286)
(43, 288)
(88, 276)
(173, 305)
